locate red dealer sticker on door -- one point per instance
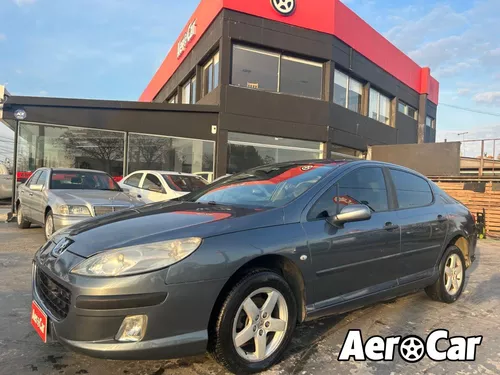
(39, 321)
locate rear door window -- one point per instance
(152, 183)
(412, 191)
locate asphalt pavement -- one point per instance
(315, 347)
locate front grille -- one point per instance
(103, 210)
(54, 296)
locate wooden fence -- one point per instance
(476, 196)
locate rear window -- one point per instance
(185, 184)
(412, 191)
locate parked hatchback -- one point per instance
(158, 186)
(56, 198)
(233, 268)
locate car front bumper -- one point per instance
(61, 221)
(177, 322)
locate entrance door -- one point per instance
(358, 258)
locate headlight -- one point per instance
(73, 210)
(137, 259)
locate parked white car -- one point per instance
(158, 186)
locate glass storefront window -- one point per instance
(301, 77)
(56, 146)
(247, 151)
(341, 152)
(255, 68)
(153, 152)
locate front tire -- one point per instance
(255, 324)
(451, 282)
(22, 223)
(49, 225)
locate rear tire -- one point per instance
(22, 223)
(451, 282)
(255, 324)
(49, 225)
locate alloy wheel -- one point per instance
(49, 226)
(260, 324)
(453, 274)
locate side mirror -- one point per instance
(125, 190)
(351, 213)
(36, 187)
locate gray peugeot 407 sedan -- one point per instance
(233, 268)
(57, 198)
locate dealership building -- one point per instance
(246, 83)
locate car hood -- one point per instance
(94, 197)
(161, 222)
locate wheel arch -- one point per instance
(277, 263)
(460, 241)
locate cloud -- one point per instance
(3, 37)
(44, 93)
(463, 91)
(21, 3)
(450, 41)
(491, 98)
(409, 34)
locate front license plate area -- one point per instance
(39, 321)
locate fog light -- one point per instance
(133, 328)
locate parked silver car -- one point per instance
(56, 198)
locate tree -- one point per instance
(93, 144)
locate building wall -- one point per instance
(276, 114)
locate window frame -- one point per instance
(328, 184)
(173, 99)
(32, 179)
(347, 89)
(210, 65)
(280, 55)
(163, 190)
(191, 83)
(396, 200)
(405, 110)
(433, 122)
(379, 96)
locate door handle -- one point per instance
(390, 226)
(442, 218)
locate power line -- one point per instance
(471, 110)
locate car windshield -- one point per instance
(267, 186)
(184, 183)
(82, 180)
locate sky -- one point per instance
(110, 49)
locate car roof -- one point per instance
(73, 170)
(165, 172)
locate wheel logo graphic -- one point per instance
(412, 349)
(284, 7)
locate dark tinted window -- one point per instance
(412, 191)
(363, 186)
(255, 69)
(301, 77)
(151, 182)
(133, 180)
(184, 183)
